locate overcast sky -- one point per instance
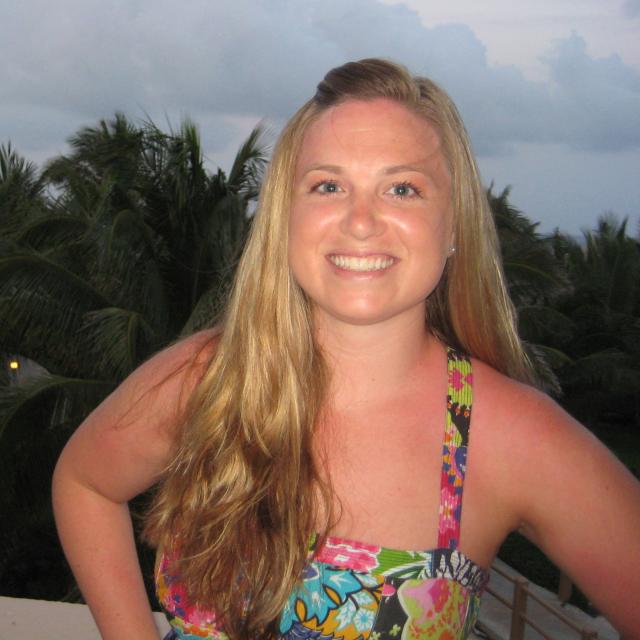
(550, 90)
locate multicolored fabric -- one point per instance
(454, 448)
(355, 591)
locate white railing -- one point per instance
(519, 617)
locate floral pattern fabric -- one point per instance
(356, 591)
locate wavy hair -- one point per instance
(243, 496)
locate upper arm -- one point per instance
(123, 446)
(580, 505)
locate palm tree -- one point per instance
(136, 249)
(21, 191)
(535, 278)
(602, 381)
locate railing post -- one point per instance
(519, 608)
(565, 587)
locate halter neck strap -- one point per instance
(454, 447)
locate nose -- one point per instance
(362, 218)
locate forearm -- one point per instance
(98, 540)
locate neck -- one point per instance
(371, 362)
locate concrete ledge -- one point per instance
(23, 619)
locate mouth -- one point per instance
(361, 263)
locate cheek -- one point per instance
(432, 235)
(308, 227)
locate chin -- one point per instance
(369, 316)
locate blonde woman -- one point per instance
(313, 453)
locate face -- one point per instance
(370, 223)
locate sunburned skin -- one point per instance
(370, 224)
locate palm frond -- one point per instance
(248, 166)
(72, 397)
(546, 378)
(207, 311)
(21, 191)
(134, 254)
(51, 231)
(41, 307)
(543, 323)
(117, 340)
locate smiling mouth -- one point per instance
(359, 263)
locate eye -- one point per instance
(326, 187)
(404, 190)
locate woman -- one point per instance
(327, 411)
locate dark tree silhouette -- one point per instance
(133, 247)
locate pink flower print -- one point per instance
(173, 596)
(440, 594)
(422, 601)
(448, 525)
(447, 510)
(435, 608)
(457, 379)
(347, 553)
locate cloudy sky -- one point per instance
(550, 90)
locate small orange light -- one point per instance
(14, 364)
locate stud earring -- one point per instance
(451, 250)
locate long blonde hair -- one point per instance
(240, 500)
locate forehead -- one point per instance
(379, 128)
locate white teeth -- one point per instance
(353, 263)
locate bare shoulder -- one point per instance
(532, 433)
(171, 371)
(134, 429)
(520, 417)
(565, 490)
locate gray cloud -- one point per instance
(78, 60)
(597, 102)
(631, 8)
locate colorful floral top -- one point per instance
(356, 591)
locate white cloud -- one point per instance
(227, 64)
(259, 58)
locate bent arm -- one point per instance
(118, 452)
(581, 506)
(98, 540)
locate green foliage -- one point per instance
(532, 270)
(21, 191)
(602, 380)
(578, 310)
(534, 277)
(133, 245)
